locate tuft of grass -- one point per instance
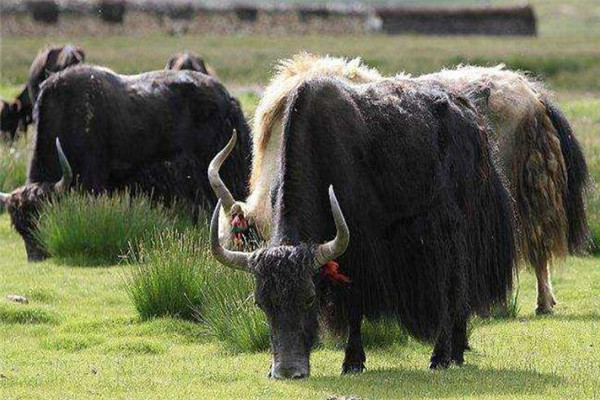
(165, 275)
(86, 229)
(231, 316)
(20, 314)
(70, 343)
(173, 274)
(510, 310)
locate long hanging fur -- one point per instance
(431, 221)
(577, 180)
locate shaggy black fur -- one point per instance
(431, 222)
(186, 61)
(157, 130)
(577, 180)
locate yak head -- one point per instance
(23, 205)
(186, 61)
(9, 119)
(285, 290)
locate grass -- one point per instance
(80, 336)
(84, 229)
(174, 275)
(97, 347)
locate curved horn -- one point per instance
(234, 259)
(214, 178)
(65, 182)
(335, 248)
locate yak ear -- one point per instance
(201, 65)
(80, 54)
(52, 58)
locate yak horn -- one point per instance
(67, 177)
(234, 259)
(214, 178)
(335, 248)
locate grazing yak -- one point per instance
(49, 60)
(426, 229)
(544, 166)
(155, 132)
(188, 61)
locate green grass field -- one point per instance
(80, 337)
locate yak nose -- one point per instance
(289, 371)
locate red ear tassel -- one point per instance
(331, 271)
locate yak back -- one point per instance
(430, 220)
(114, 127)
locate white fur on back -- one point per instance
(512, 97)
(267, 131)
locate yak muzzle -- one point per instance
(284, 370)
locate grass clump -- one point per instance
(510, 310)
(166, 275)
(173, 274)
(19, 314)
(86, 229)
(231, 315)
(70, 343)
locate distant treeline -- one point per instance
(192, 17)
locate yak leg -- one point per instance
(354, 361)
(545, 300)
(460, 341)
(440, 358)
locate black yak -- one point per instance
(187, 61)
(155, 131)
(49, 60)
(541, 158)
(428, 221)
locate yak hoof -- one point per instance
(544, 310)
(458, 360)
(439, 364)
(353, 368)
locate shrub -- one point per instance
(85, 229)
(112, 11)
(45, 11)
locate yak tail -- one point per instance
(577, 181)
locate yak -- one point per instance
(153, 132)
(425, 235)
(542, 161)
(49, 60)
(188, 61)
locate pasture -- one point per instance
(80, 336)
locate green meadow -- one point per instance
(99, 323)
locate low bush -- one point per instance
(85, 229)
